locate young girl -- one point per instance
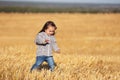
(45, 42)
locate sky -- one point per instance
(73, 1)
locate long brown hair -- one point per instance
(51, 23)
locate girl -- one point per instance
(45, 42)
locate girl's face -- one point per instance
(50, 30)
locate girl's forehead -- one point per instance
(51, 28)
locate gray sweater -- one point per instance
(43, 48)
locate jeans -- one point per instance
(41, 59)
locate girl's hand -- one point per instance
(58, 51)
(47, 41)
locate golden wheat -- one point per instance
(89, 46)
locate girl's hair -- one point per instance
(48, 23)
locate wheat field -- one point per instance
(89, 43)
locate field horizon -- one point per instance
(57, 7)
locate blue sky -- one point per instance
(74, 1)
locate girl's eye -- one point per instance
(51, 31)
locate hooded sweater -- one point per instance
(44, 48)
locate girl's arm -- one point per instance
(40, 39)
(55, 46)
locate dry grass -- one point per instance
(90, 46)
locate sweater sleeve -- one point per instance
(40, 39)
(54, 44)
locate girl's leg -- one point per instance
(50, 62)
(39, 60)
